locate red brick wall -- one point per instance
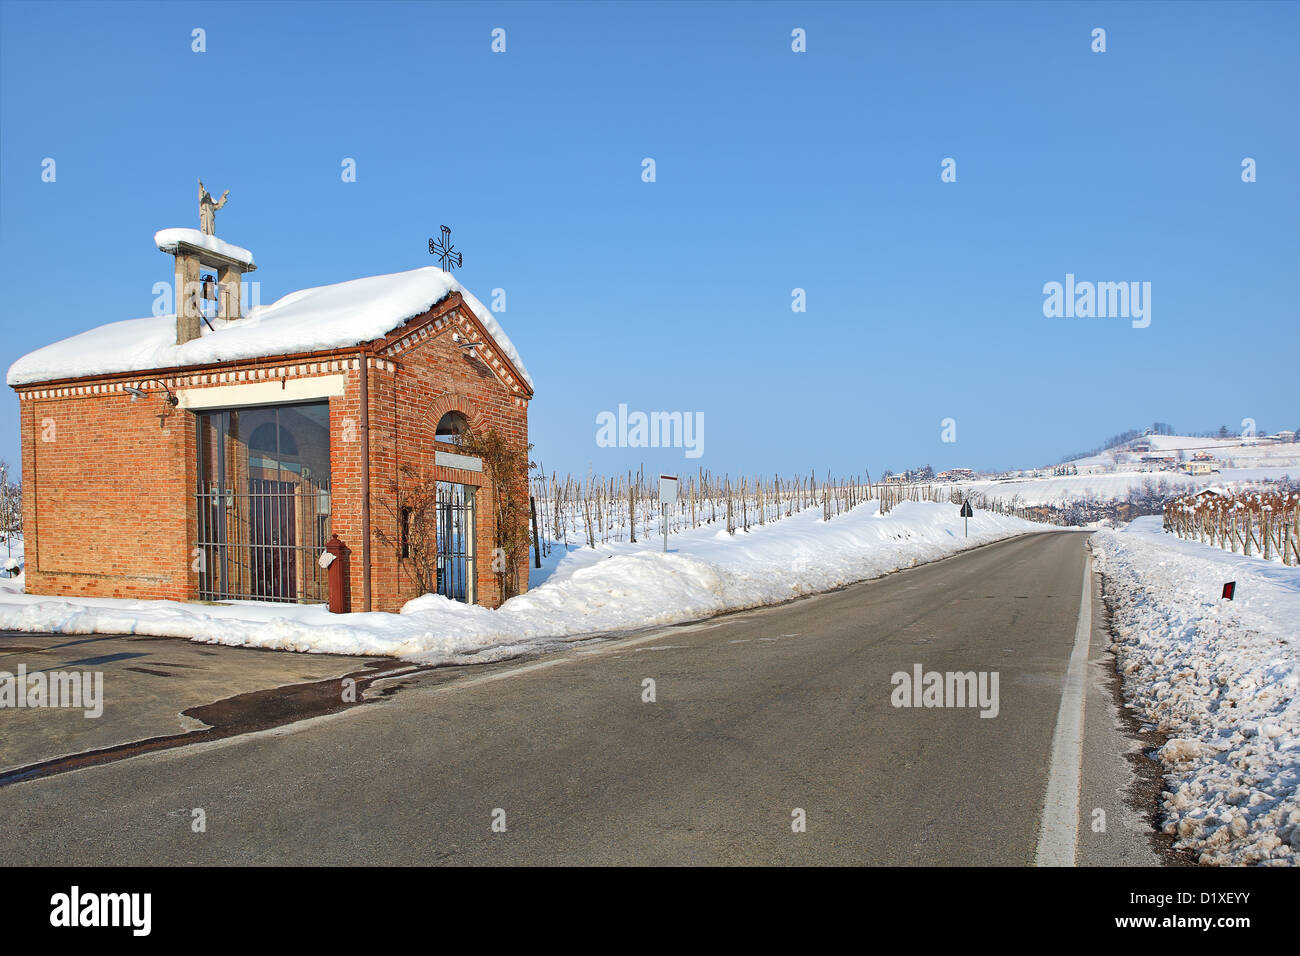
(435, 376)
(109, 494)
(107, 501)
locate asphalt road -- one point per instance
(756, 717)
(148, 684)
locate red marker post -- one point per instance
(334, 560)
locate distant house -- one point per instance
(1160, 458)
(212, 456)
(1198, 467)
(956, 474)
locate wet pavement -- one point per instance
(162, 688)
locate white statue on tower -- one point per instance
(208, 210)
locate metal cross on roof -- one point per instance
(448, 258)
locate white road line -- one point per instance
(1059, 830)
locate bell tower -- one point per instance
(194, 250)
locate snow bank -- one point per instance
(614, 587)
(1220, 679)
(325, 317)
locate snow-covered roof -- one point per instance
(167, 240)
(326, 317)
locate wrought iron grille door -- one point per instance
(263, 505)
(456, 541)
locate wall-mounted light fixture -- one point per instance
(467, 347)
(138, 393)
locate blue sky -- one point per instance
(775, 170)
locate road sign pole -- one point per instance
(667, 496)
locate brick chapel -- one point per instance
(209, 455)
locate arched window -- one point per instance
(450, 426)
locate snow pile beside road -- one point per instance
(614, 587)
(1220, 679)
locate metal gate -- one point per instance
(456, 541)
(271, 524)
(262, 505)
(262, 545)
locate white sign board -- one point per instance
(668, 489)
(449, 459)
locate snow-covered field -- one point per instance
(1115, 486)
(1113, 474)
(589, 591)
(1235, 451)
(1220, 679)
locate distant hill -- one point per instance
(1114, 441)
(1261, 451)
(1136, 473)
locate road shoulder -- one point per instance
(1120, 785)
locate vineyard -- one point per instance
(598, 510)
(1262, 523)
